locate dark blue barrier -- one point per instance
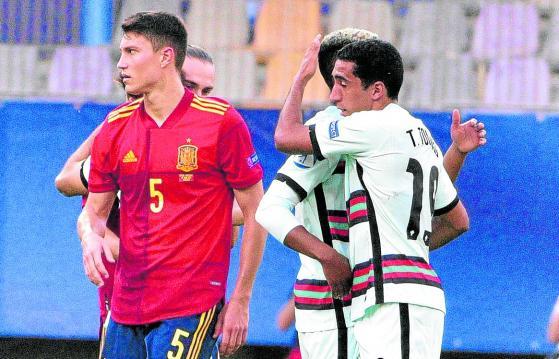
(501, 278)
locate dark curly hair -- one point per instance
(375, 60)
(334, 42)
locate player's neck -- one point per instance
(163, 99)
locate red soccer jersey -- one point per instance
(176, 186)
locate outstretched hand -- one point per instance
(310, 61)
(467, 136)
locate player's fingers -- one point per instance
(226, 347)
(482, 133)
(456, 117)
(108, 252)
(219, 325)
(91, 270)
(480, 126)
(482, 141)
(99, 265)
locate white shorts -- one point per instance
(328, 344)
(400, 331)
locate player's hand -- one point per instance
(92, 252)
(467, 136)
(310, 62)
(338, 274)
(232, 324)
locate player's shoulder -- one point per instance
(330, 113)
(210, 105)
(123, 111)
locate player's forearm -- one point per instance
(291, 135)
(449, 226)
(453, 161)
(441, 234)
(252, 249)
(301, 241)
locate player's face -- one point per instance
(199, 76)
(139, 65)
(348, 93)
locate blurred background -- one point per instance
(495, 60)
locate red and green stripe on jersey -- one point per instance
(397, 269)
(339, 225)
(315, 294)
(357, 208)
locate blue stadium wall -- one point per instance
(501, 278)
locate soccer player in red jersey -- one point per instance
(178, 160)
(198, 74)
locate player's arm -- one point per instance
(553, 326)
(234, 321)
(448, 226)
(275, 214)
(70, 181)
(92, 226)
(238, 220)
(466, 137)
(291, 135)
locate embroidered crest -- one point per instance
(188, 157)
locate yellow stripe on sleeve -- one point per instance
(211, 104)
(207, 109)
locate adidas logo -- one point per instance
(130, 157)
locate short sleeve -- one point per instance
(446, 197)
(302, 173)
(236, 155)
(101, 176)
(351, 135)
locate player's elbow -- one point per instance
(281, 141)
(61, 184)
(259, 216)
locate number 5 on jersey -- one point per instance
(156, 194)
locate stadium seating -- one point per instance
(440, 82)
(214, 24)
(280, 71)
(517, 34)
(286, 25)
(81, 71)
(550, 49)
(434, 28)
(375, 16)
(18, 70)
(520, 82)
(235, 75)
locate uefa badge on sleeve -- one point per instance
(252, 160)
(333, 129)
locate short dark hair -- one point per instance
(334, 42)
(161, 29)
(196, 52)
(375, 60)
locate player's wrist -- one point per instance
(457, 149)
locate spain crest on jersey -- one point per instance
(188, 157)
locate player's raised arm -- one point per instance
(466, 138)
(291, 135)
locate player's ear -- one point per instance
(167, 56)
(377, 91)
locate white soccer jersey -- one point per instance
(317, 188)
(395, 183)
